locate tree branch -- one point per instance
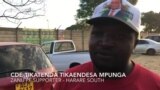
(22, 9)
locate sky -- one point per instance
(61, 14)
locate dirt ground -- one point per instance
(150, 62)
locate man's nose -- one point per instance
(107, 40)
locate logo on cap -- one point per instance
(117, 9)
(120, 10)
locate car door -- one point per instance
(141, 46)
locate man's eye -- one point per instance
(120, 36)
(97, 33)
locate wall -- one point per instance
(38, 36)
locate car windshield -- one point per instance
(153, 41)
(17, 57)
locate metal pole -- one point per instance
(40, 38)
(17, 31)
(82, 39)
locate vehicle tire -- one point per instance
(74, 64)
(151, 52)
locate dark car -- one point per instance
(154, 37)
(18, 59)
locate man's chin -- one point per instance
(108, 68)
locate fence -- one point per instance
(38, 36)
(80, 38)
(7, 34)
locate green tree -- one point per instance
(87, 7)
(151, 21)
(134, 2)
(86, 10)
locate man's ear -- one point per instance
(135, 43)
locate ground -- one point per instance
(150, 62)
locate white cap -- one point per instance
(120, 10)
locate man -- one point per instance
(112, 41)
(115, 6)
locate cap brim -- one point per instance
(97, 20)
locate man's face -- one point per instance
(110, 46)
(115, 4)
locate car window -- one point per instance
(64, 46)
(47, 47)
(22, 57)
(142, 42)
(155, 38)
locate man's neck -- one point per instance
(128, 69)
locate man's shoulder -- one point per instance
(148, 73)
(86, 67)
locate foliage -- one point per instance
(36, 36)
(79, 26)
(85, 11)
(86, 8)
(151, 21)
(134, 2)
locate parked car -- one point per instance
(20, 58)
(154, 37)
(63, 54)
(147, 46)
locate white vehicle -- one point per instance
(154, 37)
(147, 46)
(63, 54)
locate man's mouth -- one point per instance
(104, 55)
